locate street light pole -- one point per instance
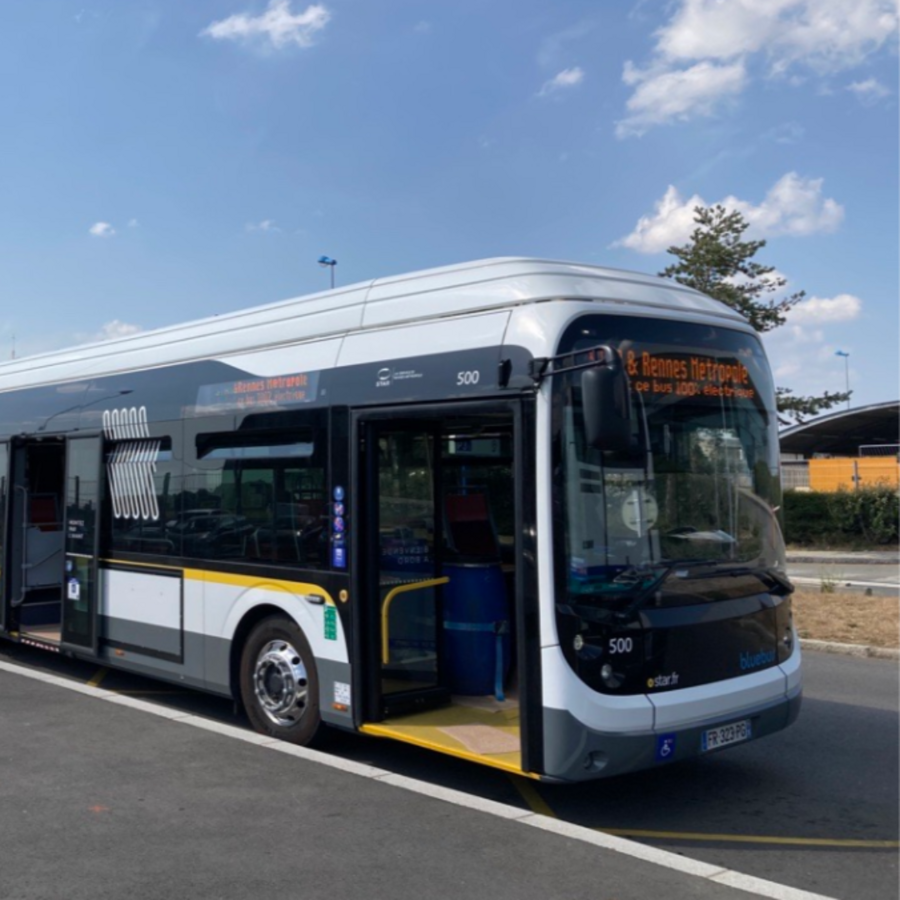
(846, 372)
(328, 262)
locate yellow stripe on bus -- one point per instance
(245, 581)
(251, 581)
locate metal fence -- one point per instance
(881, 450)
(795, 474)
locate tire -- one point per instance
(279, 682)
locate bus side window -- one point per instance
(263, 498)
(142, 482)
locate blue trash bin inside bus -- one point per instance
(476, 638)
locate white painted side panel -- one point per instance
(431, 337)
(193, 606)
(722, 698)
(135, 597)
(792, 668)
(225, 605)
(309, 357)
(509, 282)
(563, 689)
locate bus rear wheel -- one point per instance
(279, 683)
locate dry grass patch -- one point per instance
(848, 618)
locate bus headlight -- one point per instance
(609, 676)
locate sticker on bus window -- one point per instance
(74, 592)
(339, 557)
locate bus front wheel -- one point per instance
(279, 683)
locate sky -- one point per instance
(164, 160)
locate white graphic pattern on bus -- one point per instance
(131, 465)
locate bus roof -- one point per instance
(472, 287)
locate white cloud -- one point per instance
(663, 96)
(133, 223)
(278, 26)
(267, 226)
(792, 206)
(568, 78)
(825, 35)
(869, 91)
(840, 308)
(102, 230)
(803, 359)
(817, 36)
(671, 222)
(786, 133)
(115, 329)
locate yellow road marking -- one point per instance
(98, 677)
(538, 805)
(748, 838)
(532, 797)
(152, 692)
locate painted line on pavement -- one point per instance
(540, 806)
(531, 796)
(838, 843)
(99, 675)
(673, 861)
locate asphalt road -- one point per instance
(812, 807)
(881, 578)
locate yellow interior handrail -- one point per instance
(386, 606)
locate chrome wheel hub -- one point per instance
(280, 683)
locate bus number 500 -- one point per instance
(467, 378)
(621, 645)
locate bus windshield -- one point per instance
(688, 512)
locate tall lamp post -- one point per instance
(846, 372)
(328, 262)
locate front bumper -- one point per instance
(573, 752)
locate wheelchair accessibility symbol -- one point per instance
(665, 747)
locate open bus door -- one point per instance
(83, 495)
(446, 573)
(403, 529)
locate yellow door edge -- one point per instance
(387, 732)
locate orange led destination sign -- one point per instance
(258, 393)
(688, 376)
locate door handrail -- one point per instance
(386, 606)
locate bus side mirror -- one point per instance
(606, 401)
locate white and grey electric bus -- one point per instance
(518, 511)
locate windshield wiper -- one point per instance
(777, 581)
(665, 570)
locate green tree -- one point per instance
(719, 262)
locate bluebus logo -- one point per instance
(757, 660)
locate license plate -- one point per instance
(725, 735)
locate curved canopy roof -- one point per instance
(842, 433)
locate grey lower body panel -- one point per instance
(203, 662)
(573, 752)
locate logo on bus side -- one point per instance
(131, 464)
(755, 660)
